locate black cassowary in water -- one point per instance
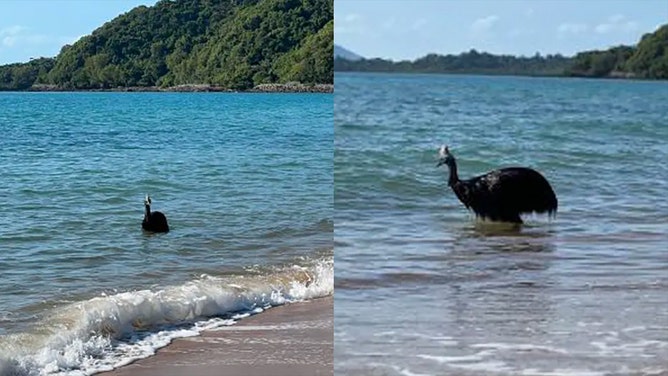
(153, 221)
(501, 195)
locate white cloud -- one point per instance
(28, 39)
(351, 17)
(20, 37)
(348, 24)
(389, 24)
(484, 24)
(616, 23)
(12, 30)
(394, 25)
(616, 18)
(516, 32)
(8, 41)
(572, 28)
(10, 35)
(604, 28)
(419, 24)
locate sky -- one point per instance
(406, 30)
(35, 28)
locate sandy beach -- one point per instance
(293, 339)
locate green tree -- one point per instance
(650, 59)
(235, 43)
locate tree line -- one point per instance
(467, 62)
(648, 59)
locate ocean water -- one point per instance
(245, 181)
(423, 288)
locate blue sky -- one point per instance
(399, 29)
(34, 28)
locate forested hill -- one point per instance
(235, 44)
(648, 59)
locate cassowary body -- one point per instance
(153, 221)
(504, 194)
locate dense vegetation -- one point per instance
(649, 59)
(235, 44)
(22, 76)
(601, 63)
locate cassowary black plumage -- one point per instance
(501, 195)
(153, 221)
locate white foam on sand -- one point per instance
(107, 332)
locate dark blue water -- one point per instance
(244, 179)
(425, 289)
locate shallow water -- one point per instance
(425, 289)
(244, 179)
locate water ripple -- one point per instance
(538, 299)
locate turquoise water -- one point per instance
(245, 181)
(425, 289)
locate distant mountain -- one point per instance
(343, 53)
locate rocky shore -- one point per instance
(195, 88)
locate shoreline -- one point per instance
(194, 88)
(291, 339)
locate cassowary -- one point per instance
(501, 195)
(153, 221)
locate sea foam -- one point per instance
(107, 332)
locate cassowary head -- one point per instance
(445, 158)
(147, 200)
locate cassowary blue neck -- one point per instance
(453, 179)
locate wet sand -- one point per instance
(294, 339)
